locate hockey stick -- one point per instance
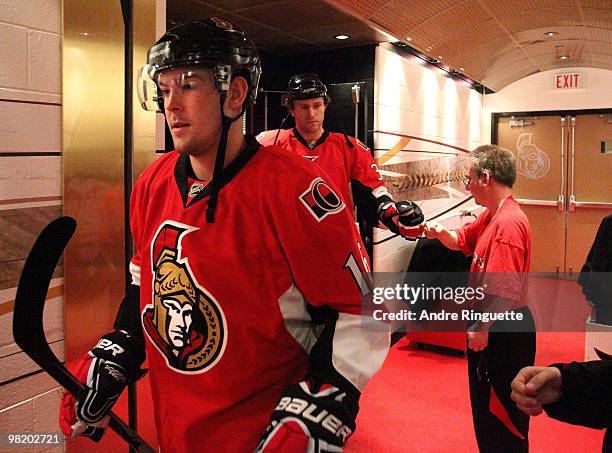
(28, 316)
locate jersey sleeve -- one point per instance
(128, 315)
(367, 185)
(266, 138)
(586, 394)
(330, 269)
(363, 169)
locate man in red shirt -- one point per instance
(247, 275)
(347, 161)
(500, 243)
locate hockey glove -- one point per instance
(402, 217)
(106, 369)
(310, 419)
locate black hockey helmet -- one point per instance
(306, 86)
(213, 43)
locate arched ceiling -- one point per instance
(494, 42)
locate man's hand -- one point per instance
(310, 419)
(534, 386)
(478, 341)
(106, 370)
(403, 217)
(433, 230)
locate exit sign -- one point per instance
(568, 80)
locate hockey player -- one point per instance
(247, 276)
(346, 160)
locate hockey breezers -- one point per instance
(28, 317)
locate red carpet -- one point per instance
(419, 402)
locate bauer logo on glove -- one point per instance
(310, 419)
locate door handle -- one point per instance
(588, 204)
(526, 201)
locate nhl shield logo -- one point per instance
(222, 23)
(184, 321)
(321, 200)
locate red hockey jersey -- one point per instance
(342, 163)
(224, 305)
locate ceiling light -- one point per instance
(342, 37)
(408, 38)
(461, 69)
(550, 34)
(563, 57)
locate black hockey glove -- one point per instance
(106, 369)
(402, 217)
(310, 419)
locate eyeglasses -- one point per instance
(467, 179)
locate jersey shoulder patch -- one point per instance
(321, 200)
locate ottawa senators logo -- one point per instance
(184, 322)
(321, 200)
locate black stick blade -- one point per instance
(35, 278)
(32, 291)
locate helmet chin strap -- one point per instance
(226, 123)
(280, 127)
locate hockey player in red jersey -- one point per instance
(346, 160)
(247, 276)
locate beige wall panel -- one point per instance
(19, 364)
(26, 388)
(14, 47)
(29, 96)
(38, 14)
(19, 230)
(17, 418)
(30, 177)
(45, 408)
(53, 323)
(29, 127)
(45, 60)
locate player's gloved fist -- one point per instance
(106, 370)
(402, 217)
(310, 419)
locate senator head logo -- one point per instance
(321, 200)
(531, 161)
(184, 321)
